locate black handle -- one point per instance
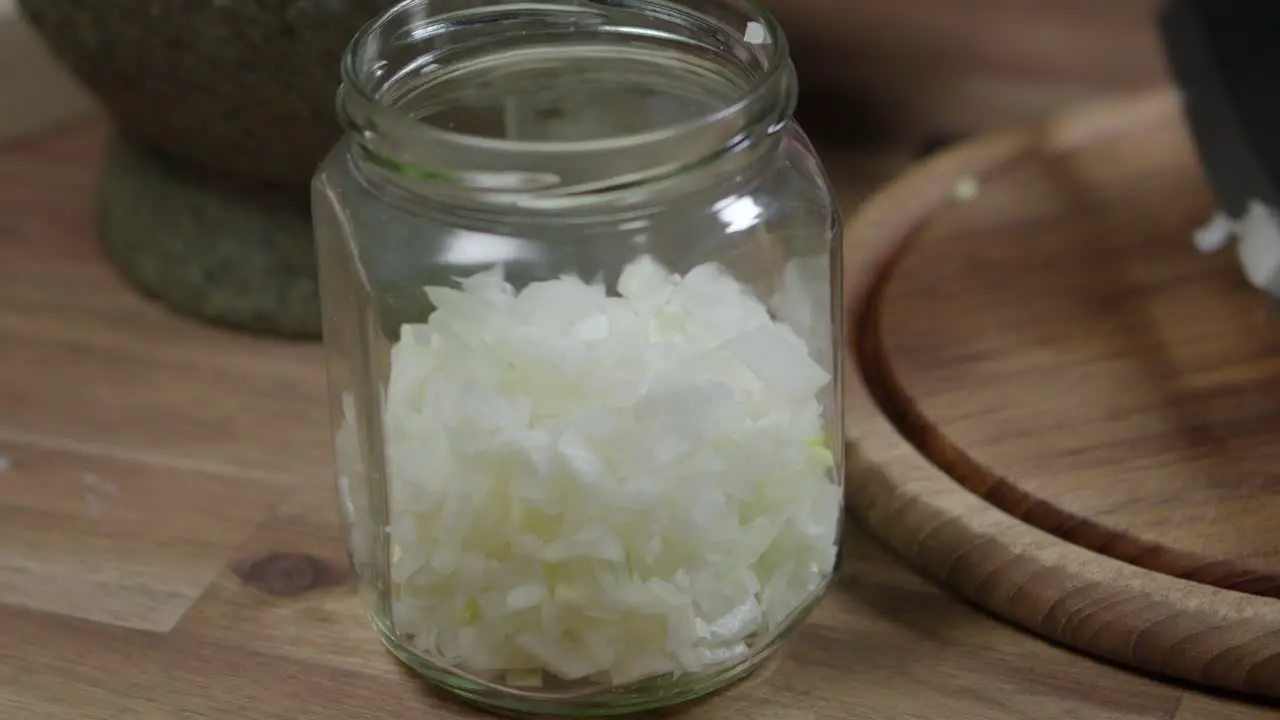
(1225, 58)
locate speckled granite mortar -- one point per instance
(229, 252)
(241, 87)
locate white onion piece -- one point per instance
(607, 487)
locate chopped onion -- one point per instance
(588, 486)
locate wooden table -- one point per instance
(169, 545)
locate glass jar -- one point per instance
(580, 278)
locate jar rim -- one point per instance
(395, 136)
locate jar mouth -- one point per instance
(562, 96)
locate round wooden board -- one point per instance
(1062, 410)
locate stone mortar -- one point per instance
(224, 109)
(245, 87)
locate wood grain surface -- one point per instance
(169, 545)
(1097, 396)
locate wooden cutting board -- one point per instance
(1069, 415)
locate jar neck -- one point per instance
(561, 102)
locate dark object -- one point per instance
(1226, 61)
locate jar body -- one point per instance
(589, 457)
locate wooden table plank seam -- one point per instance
(114, 452)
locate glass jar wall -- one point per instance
(580, 281)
